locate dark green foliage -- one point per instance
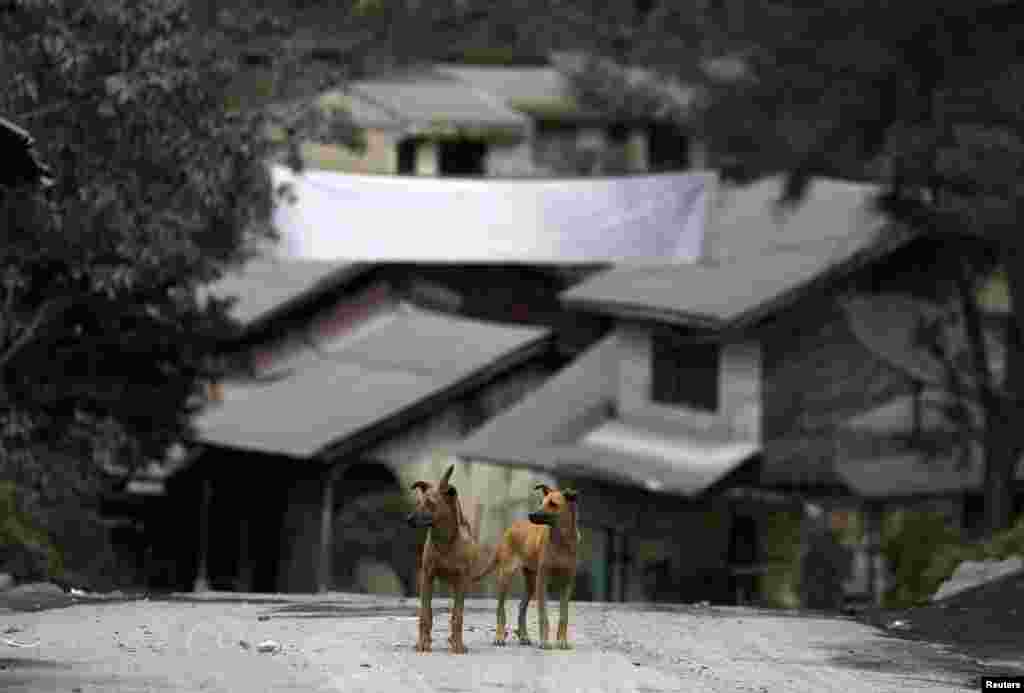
(926, 103)
(103, 341)
(923, 551)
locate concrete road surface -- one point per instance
(344, 642)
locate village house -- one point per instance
(450, 119)
(725, 395)
(352, 381)
(763, 356)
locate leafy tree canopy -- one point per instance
(928, 103)
(103, 342)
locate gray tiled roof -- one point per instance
(510, 84)
(363, 112)
(873, 456)
(263, 285)
(897, 476)
(754, 255)
(566, 428)
(361, 383)
(430, 98)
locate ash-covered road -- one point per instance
(344, 642)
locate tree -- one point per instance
(928, 104)
(924, 102)
(22, 166)
(104, 346)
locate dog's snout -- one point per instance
(418, 520)
(541, 518)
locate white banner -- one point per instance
(641, 219)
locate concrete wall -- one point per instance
(636, 152)
(381, 155)
(740, 378)
(510, 160)
(428, 159)
(553, 152)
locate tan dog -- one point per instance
(545, 548)
(451, 553)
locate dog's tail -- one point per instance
(487, 563)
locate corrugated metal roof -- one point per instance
(362, 112)
(264, 284)
(566, 428)
(873, 455)
(433, 98)
(801, 462)
(910, 475)
(370, 377)
(754, 254)
(510, 84)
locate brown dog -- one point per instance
(545, 548)
(451, 553)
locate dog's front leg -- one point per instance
(530, 576)
(542, 607)
(458, 606)
(499, 630)
(426, 615)
(563, 613)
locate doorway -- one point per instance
(462, 157)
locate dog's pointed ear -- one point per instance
(543, 488)
(421, 486)
(570, 494)
(447, 475)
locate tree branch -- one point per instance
(29, 332)
(976, 342)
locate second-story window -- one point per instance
(684, 373)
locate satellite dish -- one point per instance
(889, 324)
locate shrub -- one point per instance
(923, 551)
(918, 547)
(780, 586)
(26, 551)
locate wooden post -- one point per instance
(873, 539)
(244, 559)
(202, 582)
(610, 581)
(620, 568)
(323, 576)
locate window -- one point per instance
(684, 373)
(973, 513)
(618, 134)
(407, 157)
(462, 157)
(643, 8)
(668, 148)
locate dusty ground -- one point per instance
(986, 622)
(343, 642)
